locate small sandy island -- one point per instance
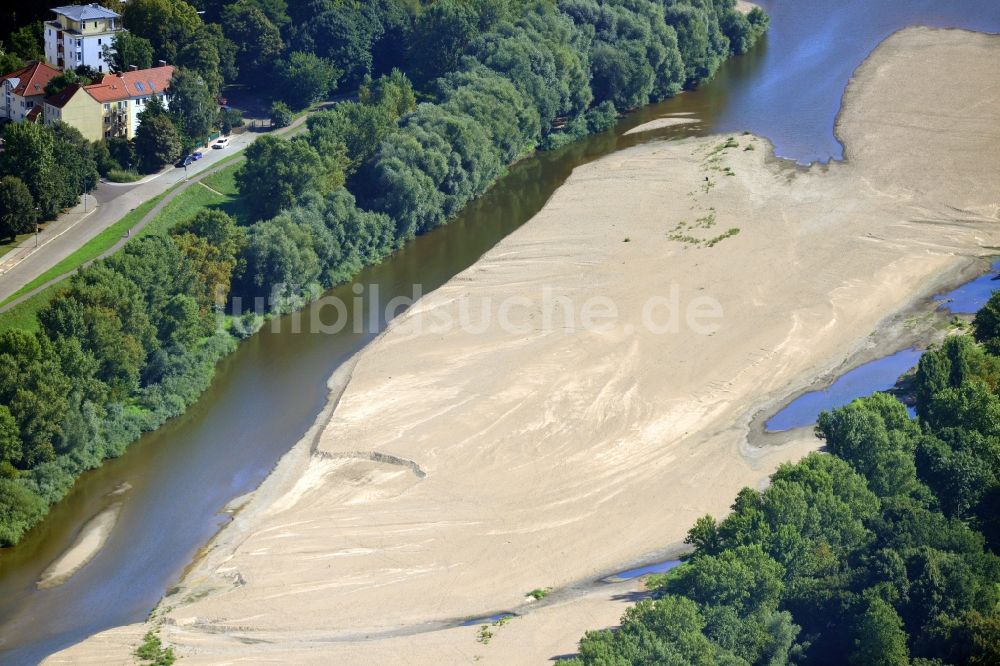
(456, 470)
(92, 538)
(660, 123)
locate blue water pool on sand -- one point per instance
(877, 375)
(489, 619)
(972, 296)
(882, 374)
(659, 567)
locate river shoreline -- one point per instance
(857, 245)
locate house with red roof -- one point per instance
(74, 106)
(23, 90)
(123, 96)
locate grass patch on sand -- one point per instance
(539, 593)
(152, 651)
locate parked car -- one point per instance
(221, 143)
(197, 155)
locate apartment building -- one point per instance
(78, 35)
(124, 95)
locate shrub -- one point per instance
(281, 115)
(123, 176)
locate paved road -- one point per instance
(105, 206)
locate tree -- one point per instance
(877, 437)
(986, 325)
(213, 244)
(9, 61)
(281, 115)
(157, 143)
(304, 78)
(20, 509)
(10, 443)
(121, 149)
(102, 157)
(193, 108)
(343, 33)
(228, 119)
(61, 82)
(704, 536)
(126, 50)
(392, 91)
(76, 170)
(278, 172)
(29, 154)
(358, 128)
(166, 24)
(26, 42)
(666, 631)
(439, 35)
(201, 55)
(17, 208)
(880, 640)
(226, 51)
(257, 39)
(745, 578)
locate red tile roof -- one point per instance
(31, 79)
(138, 83)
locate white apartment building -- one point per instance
(124, 96)
(78, 35)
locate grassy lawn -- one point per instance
(23, 315)
(223, 195)
(225, 182)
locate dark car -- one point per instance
(197, 155)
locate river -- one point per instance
(266, 394)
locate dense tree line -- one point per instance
(130, 342)
(883, 550)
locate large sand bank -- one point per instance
(547, 456)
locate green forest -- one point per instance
(448, 95)
(882, 550)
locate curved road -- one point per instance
(76, 226)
